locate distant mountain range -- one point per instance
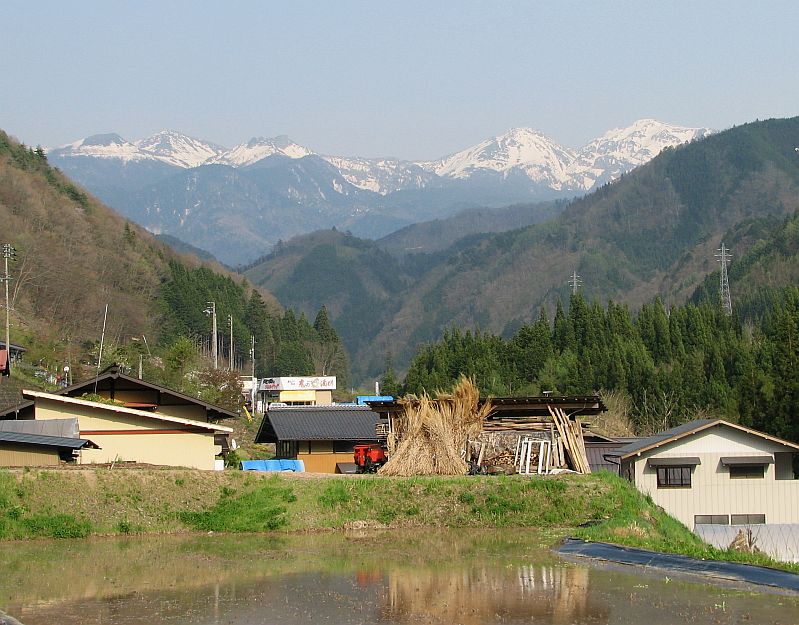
(236, 203)
(653, 233)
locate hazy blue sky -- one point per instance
(405, 78)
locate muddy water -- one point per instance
(471, 578)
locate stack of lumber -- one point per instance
(571, 440)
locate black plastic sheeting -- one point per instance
(730, 571)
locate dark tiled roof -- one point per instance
(318, 423)
(10, 392)
(46, 441)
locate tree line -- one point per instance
(672, 365)
(285, 344)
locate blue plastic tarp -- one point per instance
(297, 466)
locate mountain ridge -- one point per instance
(523, 149)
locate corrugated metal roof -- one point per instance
(65, 428)
(318, 423)
(46, 441)
(658, 439)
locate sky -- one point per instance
(409, 79)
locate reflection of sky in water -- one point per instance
(469, 578)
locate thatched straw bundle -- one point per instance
(431, 435)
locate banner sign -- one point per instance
(311, 383)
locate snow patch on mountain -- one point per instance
(259, 148)
(381, 175)
(166, 146)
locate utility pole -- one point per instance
(574, 282)
(254, 389)
(9, 253)
(230, 359)
(723, 257)
(211, 310)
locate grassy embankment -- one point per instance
(79, 503)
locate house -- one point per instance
(131, 434)
(710, 471)
(113, 384)
(322, 437)
(298, 391)
(40, 443)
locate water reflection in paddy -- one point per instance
(424, 577)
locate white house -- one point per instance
(711, 471)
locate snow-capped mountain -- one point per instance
(623, 149)
(109, 145)
(259, 148)
(268, 188)
(524, 149)
(521, 154)
(178, 149)
(544, 161)
(382, 175)
(167, 146)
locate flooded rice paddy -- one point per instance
(448, 577)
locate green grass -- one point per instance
(599, 507)
(260, 510)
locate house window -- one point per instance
(711, 519)
(674, 477)
(748, 519)
(747, 471)
(343, 447)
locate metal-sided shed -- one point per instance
(47, 443)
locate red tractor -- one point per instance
(369, 458)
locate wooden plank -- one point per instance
(564, 435)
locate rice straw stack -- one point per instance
(431, 435)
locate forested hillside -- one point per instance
(652, 233)
(666, 366)
(74, 255)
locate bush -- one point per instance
(56, 526)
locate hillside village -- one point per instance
(667, 399)
(448, 313)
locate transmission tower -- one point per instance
(574, 282)
(723, 256)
